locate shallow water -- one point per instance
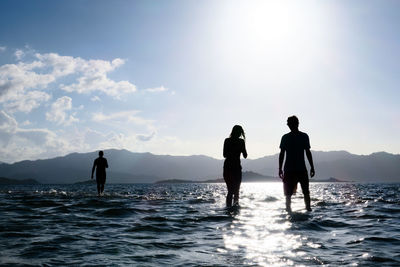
(187, 225)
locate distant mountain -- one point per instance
(7, 181)
(378, 167)
(125, 167)
(129, 167)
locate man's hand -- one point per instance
(312, 172)
(281, 174)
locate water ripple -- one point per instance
(188, 225)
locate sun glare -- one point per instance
(269, 34)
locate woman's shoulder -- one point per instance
(234, 140)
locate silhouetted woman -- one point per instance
(233, 147)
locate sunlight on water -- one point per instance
(259, 228)
(188, 225)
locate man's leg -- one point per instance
(102, 188)
(288, 191)
(288, 203)
(307, 201)
(304, 182)
(98, 189)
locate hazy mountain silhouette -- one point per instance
(124, 167)
(129, 167)
(380, 166)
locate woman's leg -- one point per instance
(228, 181)
(229, 199)
(236, 185)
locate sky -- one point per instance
(174, 77)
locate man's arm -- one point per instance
(281, 157)
(94, 166)
(310, 160)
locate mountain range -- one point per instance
(131, 167)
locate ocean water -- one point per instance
(187, 225)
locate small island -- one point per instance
(91, 181)
(8, 181)
(247, 177)
(330, 180)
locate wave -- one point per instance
(186, 225)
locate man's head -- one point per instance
(101, 153)
(293, 123)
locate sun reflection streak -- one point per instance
(260, 229)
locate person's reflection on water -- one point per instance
(294, 144)
(233, 147)
(100, 164)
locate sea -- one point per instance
(351, 224)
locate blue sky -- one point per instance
(173, 77)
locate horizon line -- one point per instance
(191, 155)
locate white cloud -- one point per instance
(93, 138)
(87, 76)
(94, 78)
(17, 78)
(95, 99)
(128, 116)
(115, 116)
(3, 48)
(19, 54)
(145, 138)
(26, 102)
(26, 85)
(18, 143)
(7, 123)
(156, 89)
(26, 123)
(91, 83)
(58, 112)
(92, 74)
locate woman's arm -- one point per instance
(244, 150)
(225, 150)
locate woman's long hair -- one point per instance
(237, 132)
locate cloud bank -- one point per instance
(59, 103)
(29, 81)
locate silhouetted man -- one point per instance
(294, 144)
(101, 164)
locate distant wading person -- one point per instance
(294, 144)
(233, 147)
(100, 164)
